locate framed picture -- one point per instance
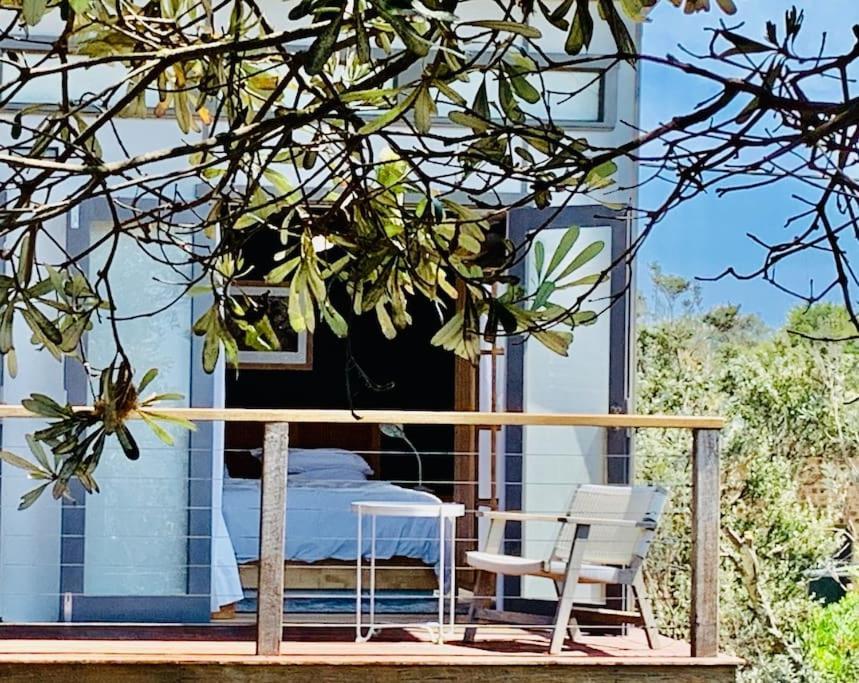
(296, 348)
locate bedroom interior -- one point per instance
(367, 371)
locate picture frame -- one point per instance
(296, 352)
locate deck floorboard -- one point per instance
(318, 655)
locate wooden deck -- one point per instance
(330, 654)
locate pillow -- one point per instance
(308, 459)
(331, 474)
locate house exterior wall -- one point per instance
(30, 542)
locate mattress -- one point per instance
(320, 523)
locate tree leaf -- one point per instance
(462, 119)
(539, 257)
(450, 93)
(507, 26)
(541, 297)
(40, 324)
(414, 43)
(362, 41)
(45, 406)
(211, 351)
(585, 255)
(17, 125)
(450, 333)
(38, 451)
(294, 309)
(584, 317)
(727, 6)
(481, 101)
(150, 375)
(182, 110)
(508, 103)
(72, 334)
(6, 329)
(169, 396)
(424, 110)
(335, 321)
(634, 9)
(391, 115)
(742, 44)
(322, 48)
(592, 279)
(581, 30)
(156, 428)
(26, 259)
(32, 496)
(524, 89)
(12, 363)
(127, 442)
(568, 239)
(301, 10)
(18, 461)
(618, 28)
(554, 340)
(558, 16)
(281, 185)
(80, 6)
(385, 323)
(33, 10)
(172, 419)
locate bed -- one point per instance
(321, 545)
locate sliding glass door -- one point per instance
(140, 549)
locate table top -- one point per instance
(406, 509)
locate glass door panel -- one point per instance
(139, 549)
(543, 464)
(137, 528)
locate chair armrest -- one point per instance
(509, 516)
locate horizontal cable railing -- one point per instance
(321, 592)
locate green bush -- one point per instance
(791, 419)
(830, 640)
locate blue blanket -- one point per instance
(320, 523)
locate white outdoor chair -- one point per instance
(603, 539)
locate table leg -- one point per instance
(358, 606)
(452, 586)
(372, 576)
(441, 573)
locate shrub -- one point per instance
(830, 640)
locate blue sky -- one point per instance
(705, 236)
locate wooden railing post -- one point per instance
(704, 616)
(271, 539)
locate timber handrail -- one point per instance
(421, 417)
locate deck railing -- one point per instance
(705, 493)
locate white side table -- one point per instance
(446, 513)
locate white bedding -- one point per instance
(321, 525)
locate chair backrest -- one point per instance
(608, 544)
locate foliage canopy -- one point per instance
(375, 138)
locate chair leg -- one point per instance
(650, 629)
(573, 626)
(479, 600)
(562, 614)
(571, 579)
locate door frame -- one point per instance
(618, 470)
(195, 606)
(466, 463)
